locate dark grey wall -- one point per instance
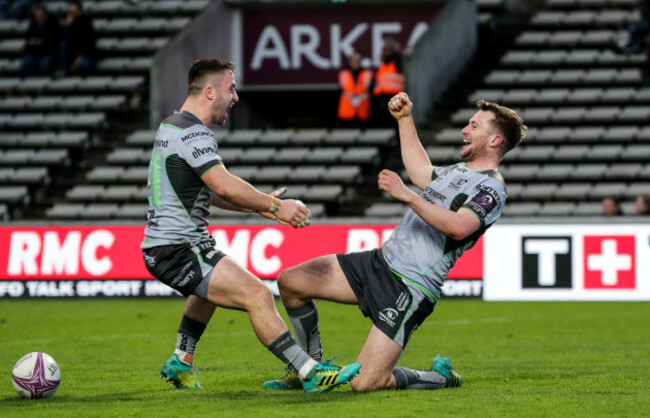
(439, 56)
(207, 36)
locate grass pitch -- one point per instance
(517, 359)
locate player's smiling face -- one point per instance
(225, 96)
(476, 136)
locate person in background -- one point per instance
(354, 81)
(612, 206)
(637, 32)
(389, 81)
(642, 204)
(77, 50)
(41, 43)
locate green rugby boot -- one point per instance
(443, 366)
(287, 382)
(182, 375)
(327, 376)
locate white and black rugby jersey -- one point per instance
(184, 150)
(421, 255)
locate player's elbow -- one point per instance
(459, 233)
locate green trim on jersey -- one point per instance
(414, 284)
(189, 215)
(169, 125)
(206, 171)
(157, 168)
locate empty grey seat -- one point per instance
(132, 211)
(565, 38)
(258, 155)
(536, 153)
(571, 153)
(243, 137)
(515, 191)
(342, 174)
(361, 155)
(325, 193)
(273, 174)
(343, 136)
(244, 171)
(552, 96)
(306, 137)
(325, 155)
(104, 174)
(30, 175)
(588, 209)
(291, 155)
(134, 174)
(555, 172)
(537, 115)
(588, 134)
(521, 209)
(16, 157)
(376, 136)
(574, 191)
(537, 77)
(618, 95)
(518, 58)
(276, 137)
(600, 76)
(605, 152)
(568, 77)
(533, 39)
(589, 172)
(120, 193)
(231, 155)
(383, 209)
(585, 95)
(124, 156)
(443, 154)
(14, 194)
(502, 77)
(64, 211)
(636, 189)
(609, 189)
(126, 83)
(636, 153)
(518, 97)
(462, 116)
(553, 134)
(85, 193)
(624, 134)
(640, 114)
(537, 191)
(141, 138)
(557, 209)
(519, 173)
(99, 211)
(449, 136)
(493, 95)
(624, 171)
(311, 174)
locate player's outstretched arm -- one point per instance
(242, 194)
(456, 225)
(415, 158)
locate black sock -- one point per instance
(406, 378)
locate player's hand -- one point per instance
(392, 184)
(269, 215)
(400, 106)
(295, 213)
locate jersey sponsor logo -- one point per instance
(546, 262)
(388, 315)
(609, 262)
(203, 151)
(494, 193)
(402, 301)
(430, 194)
(196, 135)
(161, 143)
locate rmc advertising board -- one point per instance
(88, 261)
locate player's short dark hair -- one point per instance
(201, 70)
(507, 122)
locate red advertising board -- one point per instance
(309, 46)
(113, 252)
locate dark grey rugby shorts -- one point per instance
(395, 308)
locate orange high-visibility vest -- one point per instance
(388, 80)
(355, 97)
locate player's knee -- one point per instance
(284, 283)
(259, 296)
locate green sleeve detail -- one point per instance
(169, 125)
(480, 221)
(211, 167)
(412, 283)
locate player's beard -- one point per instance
(471, 153)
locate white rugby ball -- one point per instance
(36, 375)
